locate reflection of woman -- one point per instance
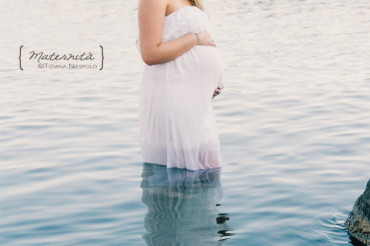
(182, 206)
(183, 71)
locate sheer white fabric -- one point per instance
(176, 122)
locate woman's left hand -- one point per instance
(218, 91)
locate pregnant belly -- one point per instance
(206, 62)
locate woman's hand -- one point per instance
(218, 91)
(205, 38)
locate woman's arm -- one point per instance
(153, 51)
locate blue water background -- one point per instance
(293, 119)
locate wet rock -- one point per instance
(358, 221)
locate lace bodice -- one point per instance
(187, 19)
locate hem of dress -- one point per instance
(184, 168)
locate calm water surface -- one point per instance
(294, 124)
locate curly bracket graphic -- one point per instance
(20, 57)
(102, 57)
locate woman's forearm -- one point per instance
(167, 51)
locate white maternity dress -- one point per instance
(177, 126)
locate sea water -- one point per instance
(293, 120)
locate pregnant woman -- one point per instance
(182, 73)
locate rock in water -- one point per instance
(358, 221)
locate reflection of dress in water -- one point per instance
(177, 123)
(182, 207)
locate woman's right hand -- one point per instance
(205, 38)
(218, 91)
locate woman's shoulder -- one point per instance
(156, 6)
